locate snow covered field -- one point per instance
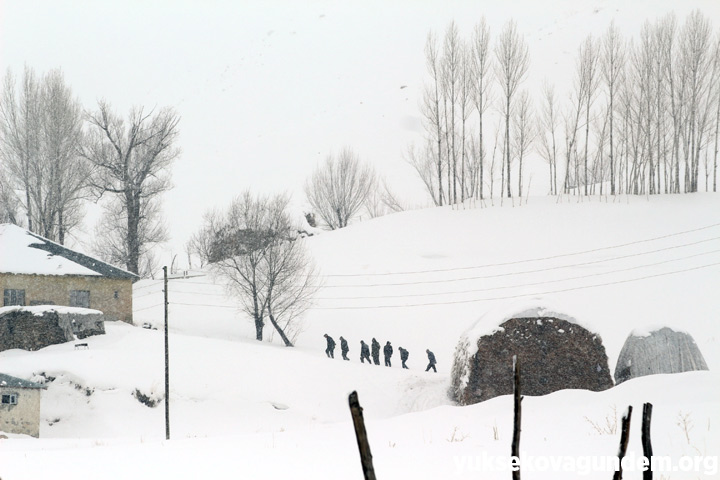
(244, 409)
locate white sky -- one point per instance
(266, 89)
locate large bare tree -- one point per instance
(132, 161)
(40, 135)
(255, 247)
(339, 188)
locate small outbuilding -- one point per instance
(554, 351)
(20, 405)
(660, 351)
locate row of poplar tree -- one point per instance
(642, 116)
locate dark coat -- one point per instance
(375, 348)
(431, 358)
(344, 345)
(388, 350)
(364, 349)
(404, 354)
(330, 343)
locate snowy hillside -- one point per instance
(245, 409)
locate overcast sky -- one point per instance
(267, 89)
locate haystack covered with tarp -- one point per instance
(554, 350)
(663, 350)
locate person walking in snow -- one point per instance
(364, 352)
(330, 350)
(431, 360)
(404, 354)
(387, 351)
(344, 348)
(376, 351)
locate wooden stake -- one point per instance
(515, 451)
(624, 438)
(167, 360)
(646, 443)
(361, 434)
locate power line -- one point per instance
(502, 264)
(504, 287)
(146, 308)
(370, 307)
(540, 270)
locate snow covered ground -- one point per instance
(245, 409)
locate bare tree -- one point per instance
(612, 65)
(422, 159)
(132, 161)
(40, 132)
(255, 248)
(547, 126)
(382, 201)
(512, 63)
(338, 189)
(452, 81)
(481, 62)
(111, 234)
(432, 115)
(9, 203)
(588, 78)
(524, 132)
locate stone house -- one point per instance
(20, 405)
(37, 271)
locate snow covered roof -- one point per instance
(24, 252)
(14, 382)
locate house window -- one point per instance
(80, 298)
(13, 297)
(10, 399)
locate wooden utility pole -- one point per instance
(167, 360)
(361, 434)
(516, 421)
(624, 437)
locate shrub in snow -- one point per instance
(151, 400)
(554, 354)
(661, 351)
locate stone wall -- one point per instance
(27, 331)
(111, 296)
(23, 418)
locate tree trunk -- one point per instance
(279, 329)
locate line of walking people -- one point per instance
(365, 351)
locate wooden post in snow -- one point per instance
(167, 360)
(515, 450)
(646, 443)
(624, 437)
(361, 435)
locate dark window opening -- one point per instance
(80, 298)
(13, 296)
(10, 399)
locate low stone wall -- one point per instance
(31, 328)
(26, 330)
(84, 325)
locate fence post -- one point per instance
(515, 450)
(361, 435)
(646, 443)
(624, 438)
